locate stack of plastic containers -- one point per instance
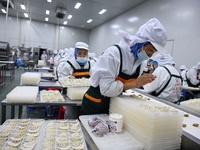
(30, 78)
(192, 104)
(156, 125)
(23, 94)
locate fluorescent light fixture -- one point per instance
(133, 19)
(23, 7)
(46, 19)
(90, 20)
(115, 26)
(49, 1)
(3, 10)
(77, 5)
(26, 15)
(69, 17)
(47, 12)
(102, 11)
(65, 22)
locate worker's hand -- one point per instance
(151, 69)
(144, 79)
(72, 77)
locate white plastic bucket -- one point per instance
(115, 122)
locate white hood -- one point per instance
(152, 31)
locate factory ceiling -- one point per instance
(59, 11)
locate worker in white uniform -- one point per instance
(60, 54)
(92, 57)
(44, 58)
(119, 67)
(192, 76)
(183, 70)
(51, 60)
(154, 65)
(148, 66)
(64, 56)
(167, 84)
(77, 67)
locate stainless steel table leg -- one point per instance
(20, 112)
(12, 111)
(50, 111)
(3, 114)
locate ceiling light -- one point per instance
(69, 17)
(133, 19)
(26, 15)
(65, 22)
(102, 11)
(3, 10)
(49, 1)
(90, 20)
(115, 26)
(46, 19)
(77, 5)
(23, 7)
(47, 12)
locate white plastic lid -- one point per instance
(116, 116)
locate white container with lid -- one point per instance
(115, 122)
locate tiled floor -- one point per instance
(37, 112)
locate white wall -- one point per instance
(69, 36)
(34, 34)
(179, 17)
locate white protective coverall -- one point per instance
(192, 73)
(92, 57)
(44, 58)
(64, 55)
(65, 70)
(104, 74)
(58, 57)
(172, 92)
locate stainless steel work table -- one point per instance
(4, 103)
(49, 84)
(10, 66)
(29, 64)
(43, 69)
(190, 90)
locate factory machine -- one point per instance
(37, 52)
(4, 51)
(25, 54)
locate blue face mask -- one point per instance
(142, 55)
(154, 67)
(82, 59)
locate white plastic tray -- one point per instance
(40, 137)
